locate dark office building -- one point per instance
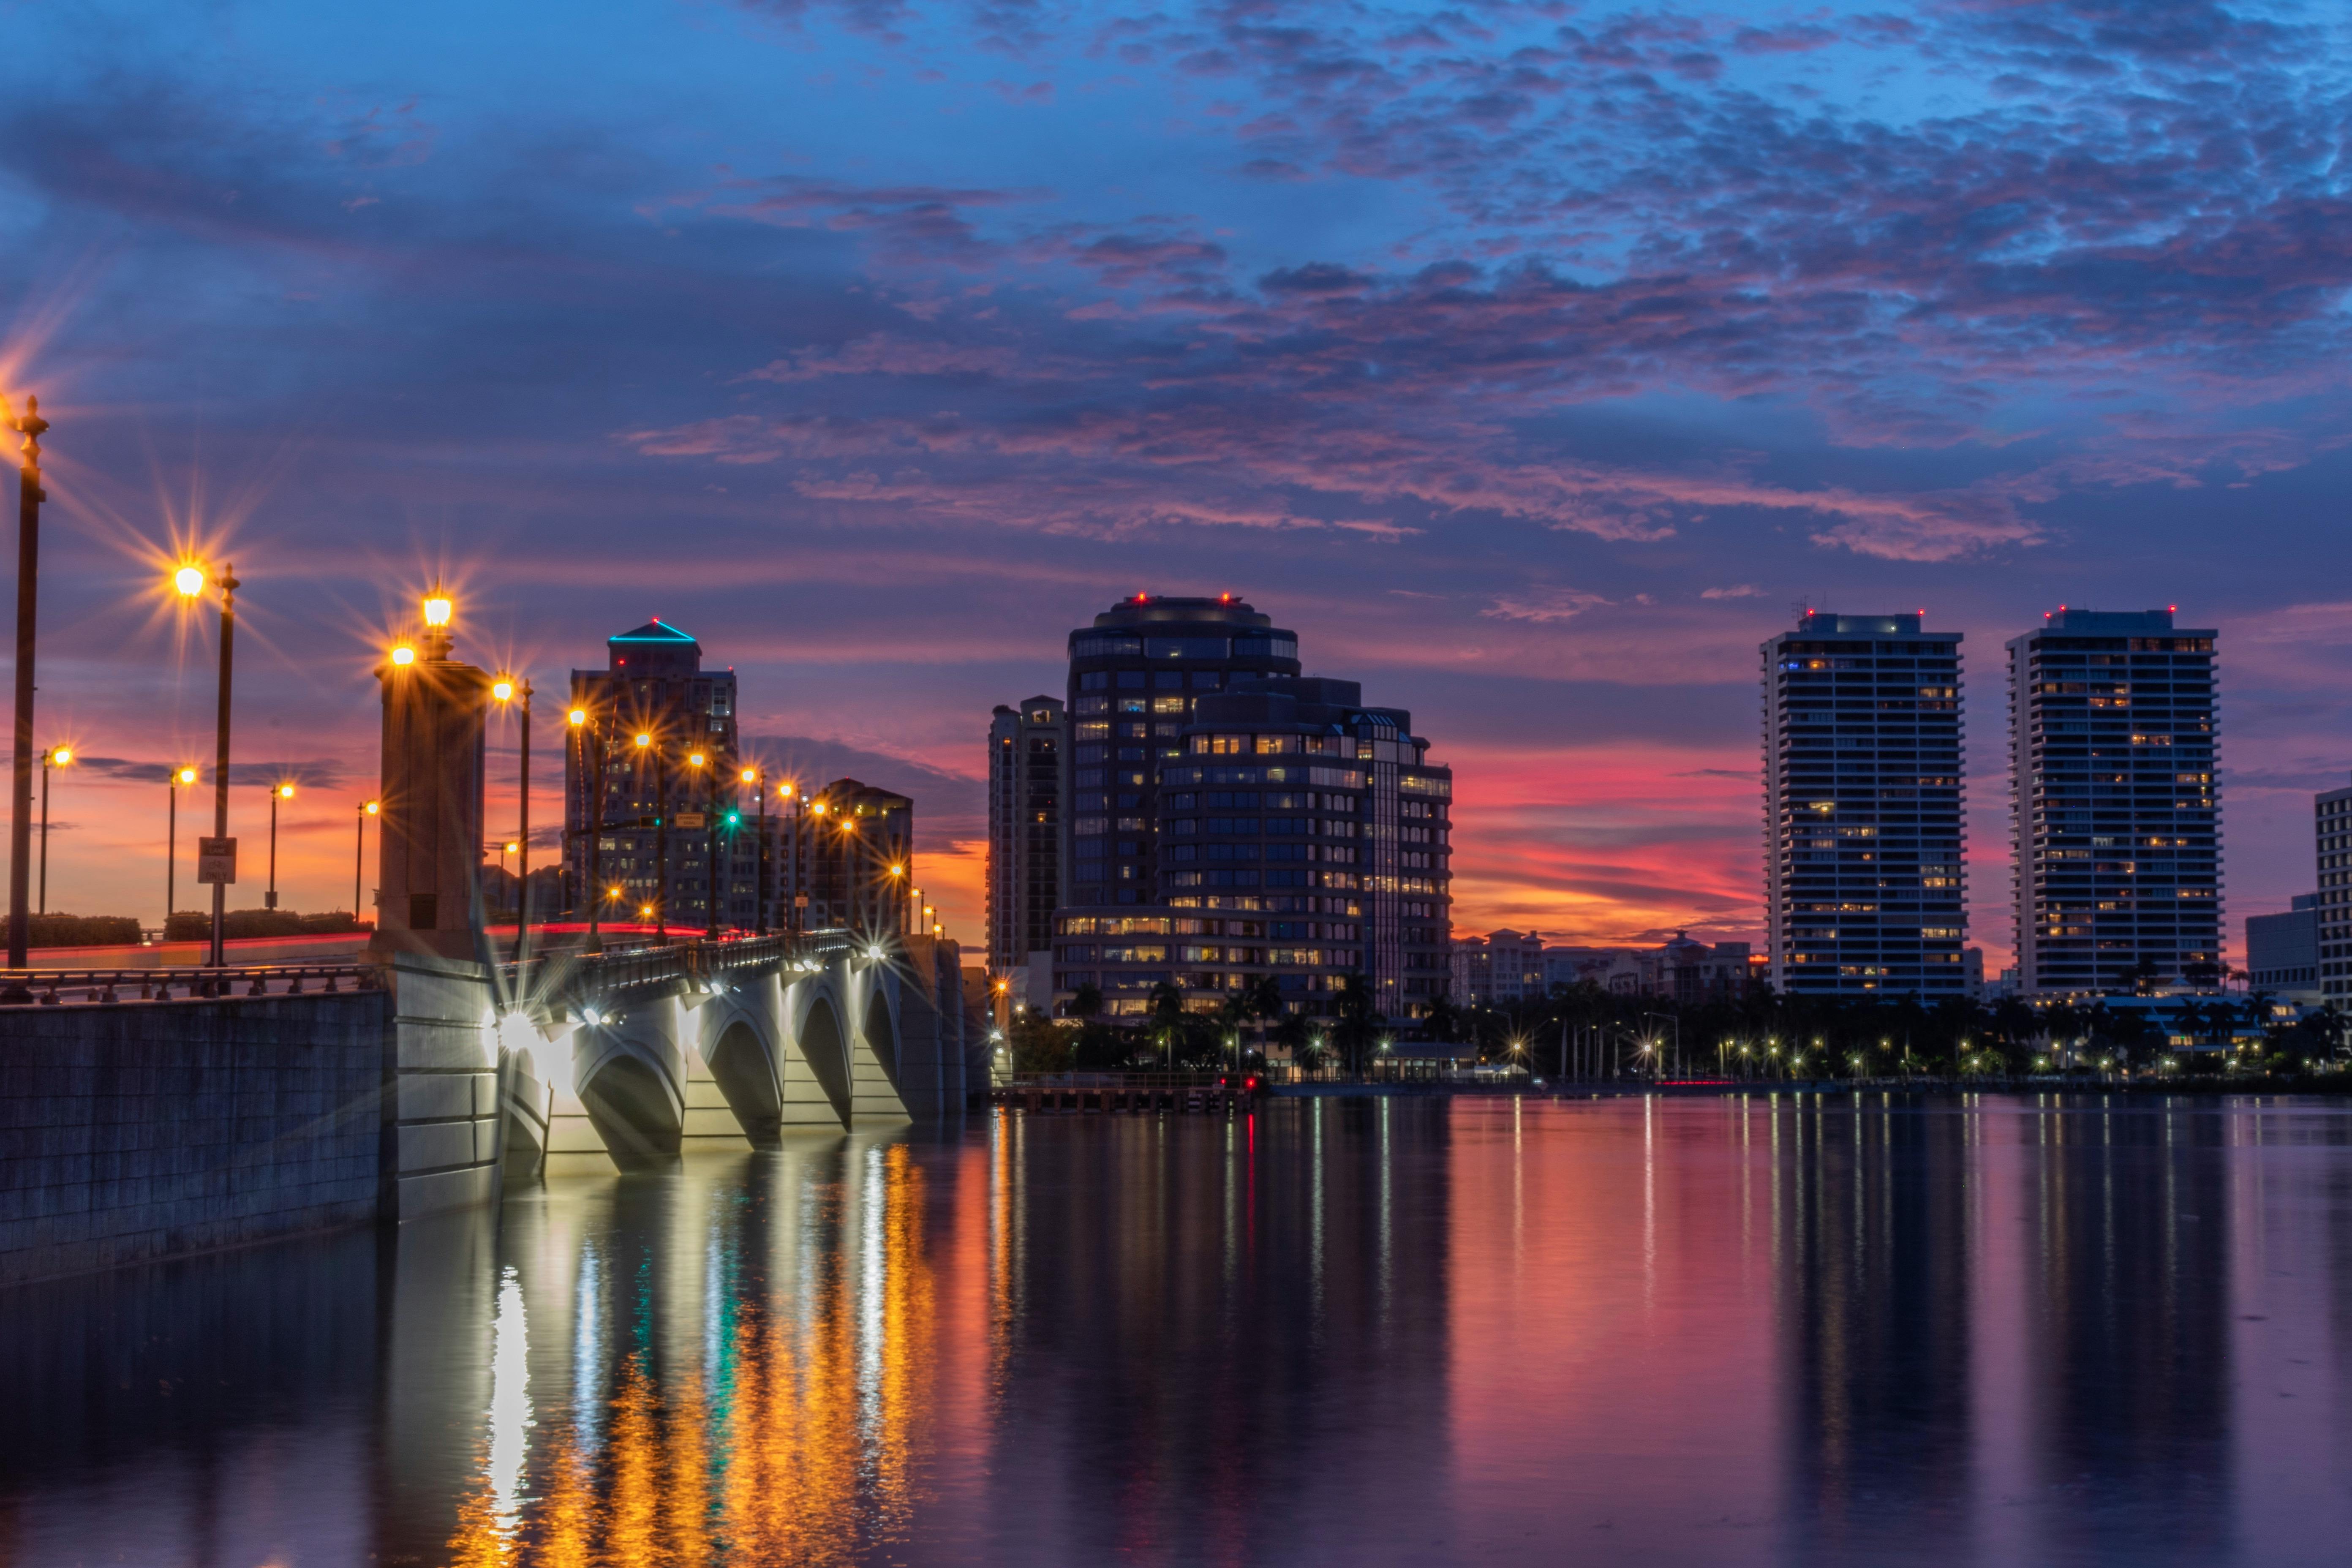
(1027, 748)
(1862, 808)
(2332, 818)
(1135, 675)
(658, 733)
(1302, 834)
(2113, 805)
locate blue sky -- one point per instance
(1532, 360)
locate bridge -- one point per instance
(152, 1112)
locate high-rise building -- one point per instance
(2114, 807)
(1135, 677)
(2282, 951)
(2332, 816)
(659, 739)
(1027, 749)
(1862, 807)
(1301, 835)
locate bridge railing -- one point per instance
(57, 987)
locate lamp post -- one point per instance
(55, 757)
(359, 851)
(700, 762)
(278, 792)
(646, 748)
(190, 581)
(586, 733)
(792, 894)
(506, 688)
(759, 855)
(180, 778)
(29, 497)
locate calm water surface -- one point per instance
(1345, 1331)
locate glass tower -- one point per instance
(1135, 675)
(1862, 808)
(2114, 806)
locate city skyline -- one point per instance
(1426, 360)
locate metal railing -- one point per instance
(58, 987)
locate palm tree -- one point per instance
(1168, 1014)
(1087, 1001)
(1265, 995)
(1358, 1019)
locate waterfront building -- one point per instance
(663, 801)
(1683, 970)
(2332, 817)
(1134, 680)
(1028, 749)
(1300, 835)
(2282, 951)
(1498, 968)
(1862, 808)
(2113, 808)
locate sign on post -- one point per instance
(216, 861)
(691, 819)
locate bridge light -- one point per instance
(694, 759)
(897, 870)
(750, 775)
(785, 790)
(511, 847)
(286, 792)
(404, 655)
(374, 807)
(436, 609)
(645, 911)
(643, 739)
(579, 716)
(61, 755)
(187, 775)
(502, 688)
(189, 581)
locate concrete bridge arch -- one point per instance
(645, 1072)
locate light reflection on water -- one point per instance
(1337, 1331)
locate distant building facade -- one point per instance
(1863, 835)
(2116, 811)
(633, 783)
(2282, 951)
(1683, 970)
(1498, 968)
(2332, 816)
(1028, 750)
(850, 853)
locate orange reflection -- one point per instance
(787, 1434)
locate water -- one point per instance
(1342, 1331)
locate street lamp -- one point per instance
(283, 792)
(55, 757)
(29, 497)
(698, 761)
(359, 851)
(506, 688)
(792, 894)
(181, 778)
(751, 779)
(189, 580)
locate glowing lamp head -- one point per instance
(579, 717)
(404, 656)
(187, 775)
(62, 755)
(512, 847)
(643, 739)
(286, 792)
(502, 688)
(436, 610)
(695, 758)
(817, 806)
(897, 870)
(750, 775)
(189, 581)
(785, 790)
(645, 911)
(372, 807)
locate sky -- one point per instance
(1534, 362)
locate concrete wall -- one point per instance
(143, 1130)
